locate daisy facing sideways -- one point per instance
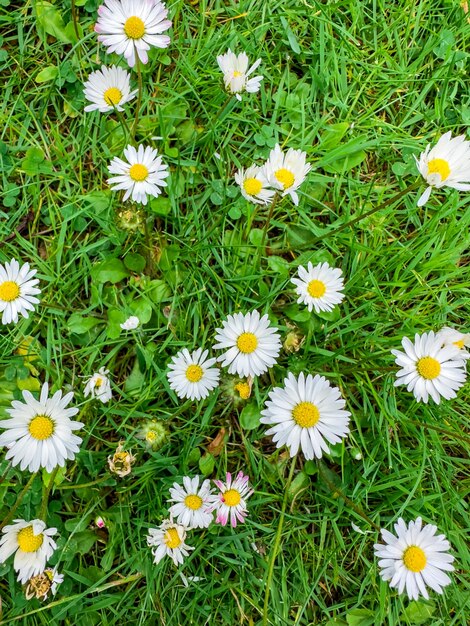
(287, 172)
(99, 386)
(192, 506)
(414, 559)
(429, 368)
(447, 164)
(251, 345)
(319, 286)
(32, 545)
(132, 27)
(108, 89)
(193, 375)
(452, 337)
(39, 433)
(307, 413)
(254, 185)
(230, 503)
(142, 175)
(18, 291)
(168, 540)
(235, 70)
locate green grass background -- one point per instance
(361, 87)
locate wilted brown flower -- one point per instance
(121, 462)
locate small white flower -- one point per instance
(141, 176)
(231, 501)
(40, 432)
(168, 540)
(319, 287)
(254, 185)
(287, 172)
(99, 386)
(414, 559)
(32, 544)
(252, 345)
(190, 579)
(428, 369)
(193, 503)
(108, 89)
(192, 374)
(452, 337)
(131, 27)
(17, 291)
(131, 323)
(306, 413)
(445, 165)
(235, 70)
(44, 584)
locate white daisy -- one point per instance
(131, 27)
(307, 413)
(43, 585)
(414, 559)
(99, 386)
(252, 345)
(168, 539)
(32, 544)
(40, 432)
(445, 165)
(17, 291)
(452, 337)
(319, 287)
(254, 185)
(231, 501)
(108, 89)
(287, 172)
(193, 503)
(131, 323)
(235, 70)
(192, 375)
(142, 175)
(429, 369)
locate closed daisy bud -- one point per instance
(169, 540)
(319, 287)
(235, 70)
(99, 386)
(108, 89)
(18, 291)
(254, 185)
(230, 503)
(287, 172)
(154, 433)
(121, 462)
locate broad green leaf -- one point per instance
(48, 73)
(418, 612)
(78, 324)
(279, 265)
(345, 164)
(360, 617)
(50, 20)
(300, 482)
(111, 270)
(134, 262)
(250, 416)
(206, 464)
(332, 135)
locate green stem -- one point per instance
(148, 253)
(268, 220)
(277, 542)
(18, 501)
(75, 19)
(124, 125)
(139, 96)
(45, 496)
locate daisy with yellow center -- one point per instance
(39, 433)
(230, 503)
(99, 386)
(169, 540)
(192, 506)
(32, 545)
(141, 175)
(251, 344)
(414, 559)
(254, 185)
(108, 89)
(18, 291)
(307, 413)
(429, 368)
(319, 287)
(286, 172)
(132, 27)
(452, 337)
(193, 375)
(235, 70)
(447, 164)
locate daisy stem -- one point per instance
(277, 542)
(45, 496)
(139, 96)
(268, 220)
(337, 491)
(19, 498)
(124, 125)
(75, 19)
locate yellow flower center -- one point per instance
(134, 27)
(9, 291)
(439, 166)
(306, 414)
(138, 172)
(194, 373)
(28, 541)
(172, 538)
(460, 343)
(428, 367)
(193, 502)
(231, 497)
(112, 96)
(98, 382)
(247, 343)
(285, 177)
(316, 288)
(252, 186)
(244, 390)
(236, 74)
(41, 427)
(414, 559)
(151, 436)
